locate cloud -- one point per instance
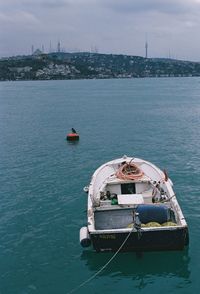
(33, 2)
(115, 26)
(50, 3)
(19, 17)
(144, 6)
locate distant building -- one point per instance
(37, 52)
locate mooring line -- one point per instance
(103, 267)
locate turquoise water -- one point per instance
(42, 204)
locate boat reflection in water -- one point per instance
(142, 268)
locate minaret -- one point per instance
(146, 49)
(58, 46)
(50, 47)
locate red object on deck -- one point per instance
(72, 137)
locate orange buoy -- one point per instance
(73, 136)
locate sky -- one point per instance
(170, 27)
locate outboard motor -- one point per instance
(136, 221)
(137, 224)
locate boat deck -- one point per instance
(128, 200)
(119, 213)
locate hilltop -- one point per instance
(86, 65)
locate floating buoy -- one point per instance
(73, 136)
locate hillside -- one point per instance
(91, 65)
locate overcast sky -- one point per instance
(171, 27)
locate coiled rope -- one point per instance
(129, 171)
(103, 267)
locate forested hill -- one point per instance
(92, 65)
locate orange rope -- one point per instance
(129, 171)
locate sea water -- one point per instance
(42, 203)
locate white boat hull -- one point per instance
(130, 198)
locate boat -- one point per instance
(132, 207)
